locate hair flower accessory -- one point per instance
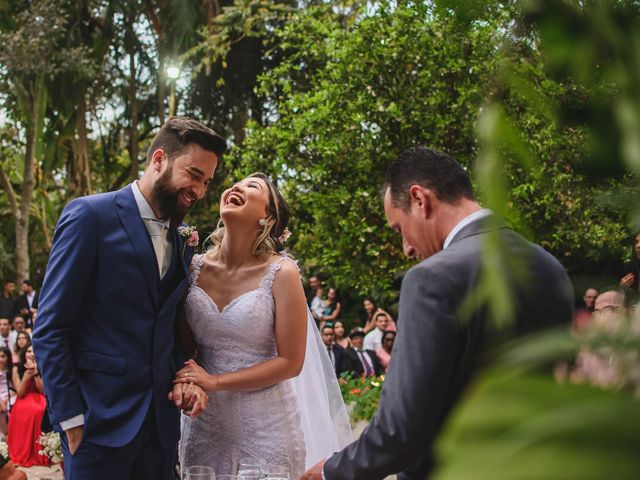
(284, 236)
(190, 236)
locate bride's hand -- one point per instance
(194, 373)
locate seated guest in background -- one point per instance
(332, 306)
(340, 335)
(317, 304)
(384, 352)
(6, 368)
(27, 304)
(18, 325)
(361, 362)
(335, 352)
(23, 340)
(6, 339)
(373, 339)
(27, 413)
(582, 315)
(7, 302)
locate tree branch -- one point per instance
(6, 185)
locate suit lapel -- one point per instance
(139, 237)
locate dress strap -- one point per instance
(267, 280)
(196, 265)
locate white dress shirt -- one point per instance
(485, 212)
(373, 340)
(159, 231)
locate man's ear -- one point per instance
(157, 157)
(422, 199)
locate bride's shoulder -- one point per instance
(285, 267)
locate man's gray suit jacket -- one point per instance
(436, 350)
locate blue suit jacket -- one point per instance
(104, 337)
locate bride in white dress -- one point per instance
(272, 391)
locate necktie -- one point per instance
(158, 232)
(368, 371)
(6, 343)
(331, 356)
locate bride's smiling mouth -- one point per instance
(234, 199)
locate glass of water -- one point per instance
(276, 472)
(197, 472)
(251, 468)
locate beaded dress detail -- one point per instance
(262, 423)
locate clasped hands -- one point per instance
(190, 389)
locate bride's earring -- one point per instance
(262, 222)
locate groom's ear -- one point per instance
(157, 157)
(421, 199)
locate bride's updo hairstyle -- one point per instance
(268, 241)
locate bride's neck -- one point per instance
(236, 249)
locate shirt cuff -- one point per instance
(73, 422)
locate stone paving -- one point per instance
(43, 473)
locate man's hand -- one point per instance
(314, 473)
(74, 437)
(190, 398)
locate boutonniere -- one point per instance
(189, 235)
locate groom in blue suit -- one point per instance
(104, 338)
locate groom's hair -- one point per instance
(431, 169)
(178, 132)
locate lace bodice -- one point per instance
(239, 336)
(261, 423)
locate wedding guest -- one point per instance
(340, 334)
(6, 368)
(18, 324)
(359, 361)
(631, 269)
(27, 412)
(582, 315)
(384, 352)
(370, 309)
(310, 291)
(7, 302)
(332, 306)
(373, 339)
(23, 340)
(317, 304)
(6, 339)
(336, 352)
(27, 304)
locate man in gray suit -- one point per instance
(429, 201)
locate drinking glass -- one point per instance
(276, 472)
(197, 472)
(226, 477)
(251, 468)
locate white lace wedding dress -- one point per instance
(264, 423)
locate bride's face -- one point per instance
(247, 199)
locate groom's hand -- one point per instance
(314, 473)
(190, 398)
(74, 437)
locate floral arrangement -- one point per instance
(4, 454)
(190, 236)
(361, 395)
(51, 447)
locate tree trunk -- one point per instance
(161, 89)
(134, 149)
(82, 168)
(28, 183)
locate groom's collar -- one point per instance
(146, 212)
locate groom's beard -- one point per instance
(167, 198)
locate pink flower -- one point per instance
(194, 239)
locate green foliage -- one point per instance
(513, 426)
(361, 396)
(351, 93)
